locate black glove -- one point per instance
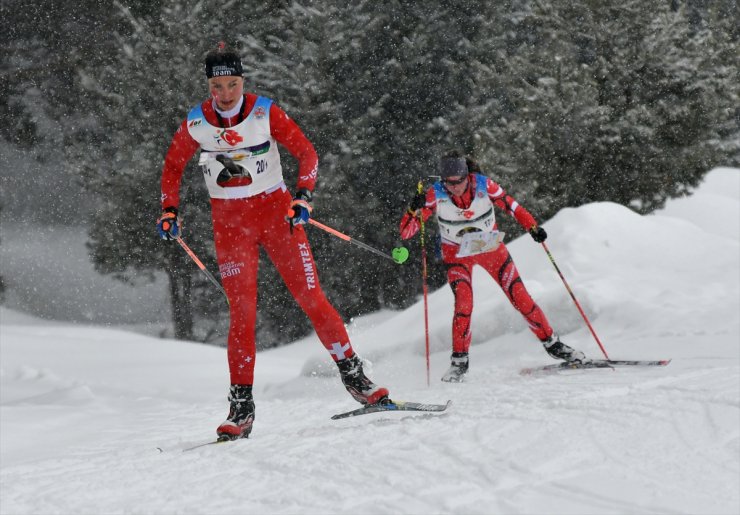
(168, 224)
(418, 202)
(300, 208)
(538, 234)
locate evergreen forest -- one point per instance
(562, 102)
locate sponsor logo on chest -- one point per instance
(228, 136)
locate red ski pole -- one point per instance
(399, 254)
(202, 267)
(590, 328)
(420, 188)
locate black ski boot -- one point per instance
(559, 350)
(241, 414)
(362, 389)
(458, 368)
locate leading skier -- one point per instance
(237, 134)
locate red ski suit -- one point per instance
(242, 225)
(498, 263)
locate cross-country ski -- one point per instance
(394, 406)
(595, 363)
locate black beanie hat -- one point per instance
(223, 62)
(453, 166)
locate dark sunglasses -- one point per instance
(455, 182)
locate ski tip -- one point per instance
(212, 442)
(418, 406)
(529, 371)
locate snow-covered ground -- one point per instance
(84, 410)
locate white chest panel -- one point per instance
(454, 222)
(249, 144)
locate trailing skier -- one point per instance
(463, 202)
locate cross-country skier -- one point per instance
(237, 134)
(463, 201)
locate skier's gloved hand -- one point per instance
(300, 208)
(538, 234)
(168, 225)
(418, 202)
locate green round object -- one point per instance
(400, 254)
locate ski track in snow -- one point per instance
(94, 420)
(568, 443)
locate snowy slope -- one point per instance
(83, 410)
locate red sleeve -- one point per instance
(410, 222)
(506, 202)
(181, 149)
(287, 133)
